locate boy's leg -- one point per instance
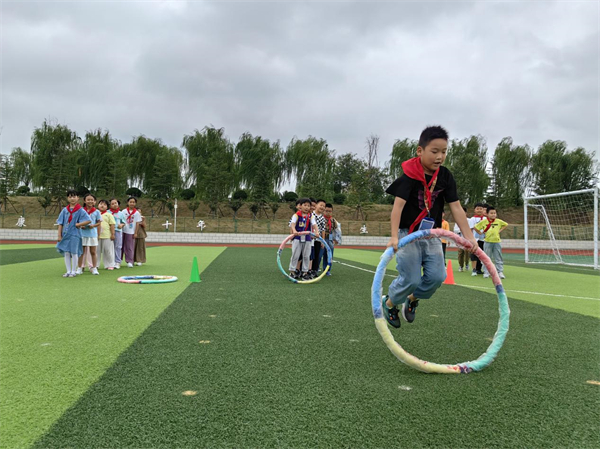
(118, 247)
(316, 256)
(408, 264)
(498, 259)
(306, 251)
(488, 249)
(296, 252)
(434, 272)
(109, 255)
(461, 257)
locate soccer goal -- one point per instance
(562, 228)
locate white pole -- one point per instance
(525, 230)
(596, 228)
(175, 227)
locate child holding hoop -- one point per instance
(132, 219)
(89, 234)
(420, 196)
(70, 221)
(301, 221)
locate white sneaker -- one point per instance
(130, 265)
(474, 273)
(79, 270)
(95, 271)
(486, 276)
(501, 275)
(460, 269)
(139, 264)
(118, 266)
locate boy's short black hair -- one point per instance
(105, 202)
(320, 201)
(72, 192)
(489, 208)
(329, 205)
(298, 201)
(312, 200)
(480, 205)
(304, 201)
(431, 133)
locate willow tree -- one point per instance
(260, 169)
(21, 166)
(97, 166)
(141, 155)
(467, 160)
(211, 165)
(401, 151)
(312, 163)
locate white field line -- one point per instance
(486, 288)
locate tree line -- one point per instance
(209, 167)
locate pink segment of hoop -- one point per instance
(290, 237)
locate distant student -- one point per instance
(329, 235)
(313, 206)
(115, 210)
(473, 221)
(301, 244)
(492, 227)
(89, 234)
(139, 256)
(70, 221)
(132, 219)
(320, 220)
(106, 237)
(463, 254)
(446, 227)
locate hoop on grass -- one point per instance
(296, 281)
(149, 279)
(428, 367)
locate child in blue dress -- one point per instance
(89, 233)
(71, 219)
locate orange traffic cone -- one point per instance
(449, 274)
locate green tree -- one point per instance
(346, 166)
(510, 173)
(556, 170)
(95, 161)
(8, 181)
(141, 154)
(21, 165)
(193, 205)
(402, 150)
(312, 163)
(467, 160)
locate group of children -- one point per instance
(87, 235)
(486, 227)
(307, 253)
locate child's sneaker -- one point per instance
(293, 275)
(139, 264)
(486, 275)
(129, 265)
(408, 309)
(390, 313)
(474, 273)
(460, 269)
(79, 271)
(306, 276)
(501, 275)
(118, 266)
(94, 271)
(328, 273)
(67, 275)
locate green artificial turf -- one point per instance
(12, 256)
(59, 335)
(279, 365)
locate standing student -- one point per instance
(492, 226)
(70, 221)
(115, 210)
(89, 234)
(320, 220)
(329, 235)
(446, 227)
(132, 219)
(475, 219)
(139, 256)
(302, 221)
(106, 237)
(463, 254)
(421, 193)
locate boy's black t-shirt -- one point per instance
(413, 192)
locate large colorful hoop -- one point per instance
(428, 367)
(296, 281)
(149, 279)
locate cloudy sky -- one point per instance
(335, 70)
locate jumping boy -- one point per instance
(302, 221)
(492, 227)
(420, 196)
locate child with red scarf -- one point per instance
(106, 237)
(329, 235)
(492, 226)
(89, 234)
(71, 219)
(420, 196)
(473, 221)
(132, 219)
(117, 214)
(302, 221)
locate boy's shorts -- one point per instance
(89, 241)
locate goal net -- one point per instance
(562, 228)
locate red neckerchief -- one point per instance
(115, 211)
(71, 212)
(307, 224)
(90, 212)
(102, 213)
(479, 216)
(329, 224)
(131, 214)
(414, 170)
(489, 224)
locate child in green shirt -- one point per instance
(492, 227)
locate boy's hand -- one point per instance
(112, 237)
(393, 243)
(335, 242)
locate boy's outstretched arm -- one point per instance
(395, 222)
(461, 220)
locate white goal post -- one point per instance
(562, 228)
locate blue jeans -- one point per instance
(426, 253)
(323, 254)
